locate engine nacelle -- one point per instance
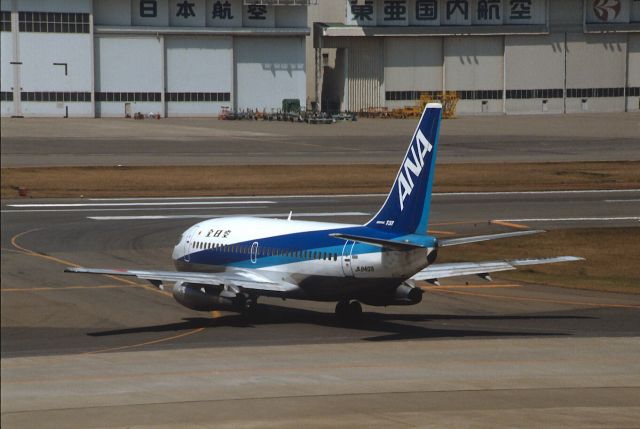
(197, 297)
(407, 294)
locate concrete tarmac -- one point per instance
(95, 351)
(200, 141)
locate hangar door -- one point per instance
(412, 65)
(474, 68)
(199, 75)
(128, 75)
(268, 70)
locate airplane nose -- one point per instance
(176, 254)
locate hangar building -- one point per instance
(172, 57)
(194, 57)
(500, 56)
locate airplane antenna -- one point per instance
(290, 213)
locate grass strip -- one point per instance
(612, 261)
(49, 182)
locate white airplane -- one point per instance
(228, 263)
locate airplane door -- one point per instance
(254, 252)
(347, 267)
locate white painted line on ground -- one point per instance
(128, 210)
(283, 215)
(435, 194)
(637, 200)
(583, 191)
(573, 219)
(240, 197)
(182, 203)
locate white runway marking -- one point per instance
(637, 200)
(128, 210)
(573, 219)
(583, 191)
(435, 194)
(182, 203)
(240, 197)
(208, 216)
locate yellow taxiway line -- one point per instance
(127, 283)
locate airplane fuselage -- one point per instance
(304, 253)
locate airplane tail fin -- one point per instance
(406, 209)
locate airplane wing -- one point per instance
(438, 271)
(246, 280)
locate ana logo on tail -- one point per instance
(412, 165)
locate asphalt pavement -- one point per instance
(199, 141)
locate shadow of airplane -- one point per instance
(391, 326)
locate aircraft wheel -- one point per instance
(342, 309)
(249, 304)
(355, 310)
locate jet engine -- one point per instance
(208, 298)
(407, 293)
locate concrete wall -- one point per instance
(112, 12)
(82, 6)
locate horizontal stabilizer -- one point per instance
(478, 238)
(440, 271)
(407, 244)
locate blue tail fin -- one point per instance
(406, 209)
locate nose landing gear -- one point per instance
(346, 310)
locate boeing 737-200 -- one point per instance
(228, 263)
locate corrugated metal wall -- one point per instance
(365, 74)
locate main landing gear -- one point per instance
(346, 310)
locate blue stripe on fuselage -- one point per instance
(308, 241)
